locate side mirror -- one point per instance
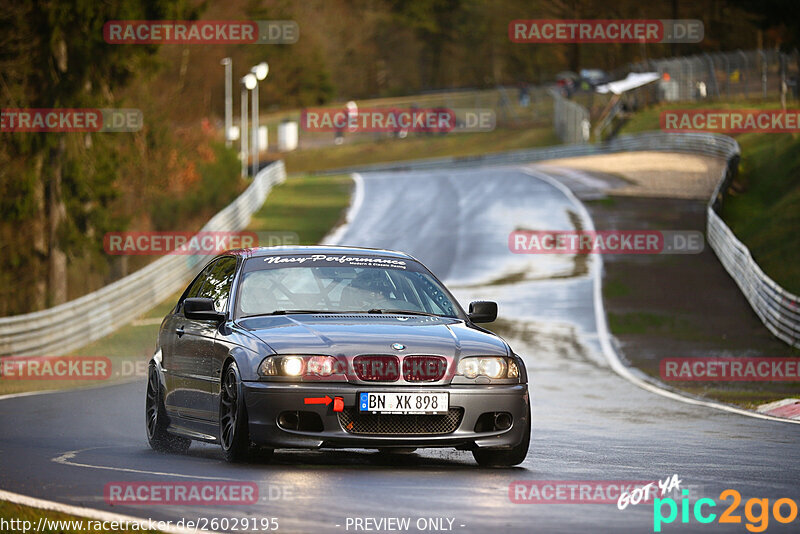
(482, 311)
(201, 309)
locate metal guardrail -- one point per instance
(76, 323)
(778, 309)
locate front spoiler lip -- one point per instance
(265, 401)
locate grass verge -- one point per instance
(307, 205)
(649, 119)
(27, 519)
(763, 208)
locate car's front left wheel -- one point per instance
(234, 434)
(156, 418)
(509, 457)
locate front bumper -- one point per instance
(265, 401)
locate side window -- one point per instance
(218, 283)
(197, 285)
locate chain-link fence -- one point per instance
(570, 120)
(726, 75)
(753, 74)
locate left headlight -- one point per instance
(491, 366)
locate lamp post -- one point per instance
(228, 64)
(259, 72)
(248, 82)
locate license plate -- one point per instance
(404, 403)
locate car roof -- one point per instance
(318, 249)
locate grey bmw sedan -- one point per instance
(333, 347)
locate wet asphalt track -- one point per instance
(588, 423)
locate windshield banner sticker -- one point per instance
(318, 260)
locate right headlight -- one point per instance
(292, 365)
(490, 366)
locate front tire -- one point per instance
(234, 432)
(506, 458)
(156, 419)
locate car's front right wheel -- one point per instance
(234, 434)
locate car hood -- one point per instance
(351, 335)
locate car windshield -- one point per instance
(340, 284)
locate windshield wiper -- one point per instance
(287, 312)
(407, 312)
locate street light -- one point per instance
(259, 72)
(228, 100)
(247, 82)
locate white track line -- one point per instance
(120, 382)
(66, 459)
(31, 393)
(603, 333)
(91, 513)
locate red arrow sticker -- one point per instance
(318, 400)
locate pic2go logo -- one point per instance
(758, 522)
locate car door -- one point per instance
(194, 346)
(177, 368)
(218, 288)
